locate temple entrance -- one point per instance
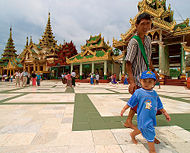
(86, 70)
(99, 68)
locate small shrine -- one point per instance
(95, 57)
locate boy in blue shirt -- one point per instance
(148, 103)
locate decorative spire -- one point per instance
(26, 41)
(31, 40)
(9, 50)
(48, 38)
(11, 32)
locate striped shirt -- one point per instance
(135, 57)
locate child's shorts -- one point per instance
(149, 134)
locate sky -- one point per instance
(72, 20)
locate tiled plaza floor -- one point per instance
(55, 119)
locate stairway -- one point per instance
(176, 82)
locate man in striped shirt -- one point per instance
(135, 62)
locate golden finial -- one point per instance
(31, 40)
(11, 32)
(169, 7)
(26, 41)
(49, 15)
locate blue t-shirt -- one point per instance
(38, 77)
(148, 103)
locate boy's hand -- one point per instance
(168, 118)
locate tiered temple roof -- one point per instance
(95, 49)
(48, 38)
(9, 51)
(162, 17)
(46, 50)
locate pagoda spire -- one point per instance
(9, 50)
(48, 38)
(26, 42)
(10, 32)
(31, 40)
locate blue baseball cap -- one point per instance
(148, 75)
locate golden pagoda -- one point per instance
(170, 41)
(35, 57)
(9, 63)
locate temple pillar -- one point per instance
(105, 70)
(123, 67)
(13, 71)
(7, 72)
(34, 67)
(24, 66)
(92, 67)
(44, 67)
(111, 68)
(182, 59)
(167, 64)
(71, 67)
(80, 71)
(29, 69)
(38, 67)
(161, 58)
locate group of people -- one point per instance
(123, 79)
(94, 78)
(69, 79)
(142, 78)
(23, 78)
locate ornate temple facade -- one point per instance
(9, 62)
(96, 56)
(35, 57)
(170, 41)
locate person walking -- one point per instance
(148, 103)
(138, 58)
(24, 76)
(91, 78)
(73, 75)
(33, 78)
(38, 78)
(97, 78)
(17, 78)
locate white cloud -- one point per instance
(70, 19)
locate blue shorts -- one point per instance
(149, 134)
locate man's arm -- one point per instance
(132, 86)
(153, 70)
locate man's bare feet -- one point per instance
(156, 141)
(133, 139)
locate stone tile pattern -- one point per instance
(52, 128)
